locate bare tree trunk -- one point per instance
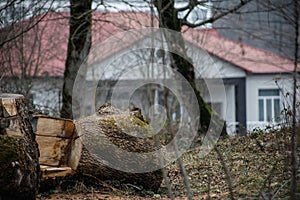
(78, 48)
(20, 172)
(168, 18)
(293, 137)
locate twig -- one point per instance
(185, 178)
(266, 180)
(226, 171)
(134, 186)
(183, 172)
(209, 185)
(164, 171)
(275, 194)
(104, 184)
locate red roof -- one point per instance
(48, 57)
(248, 58)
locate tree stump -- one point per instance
(19, 168)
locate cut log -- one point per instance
(108, 136)
(66, 150)
(20, 172)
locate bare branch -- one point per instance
(192, 4)
(214, 18)
(226, 171)
(29, 27)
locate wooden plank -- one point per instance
(52, 172)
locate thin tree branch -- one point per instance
(226, 171)
(192, 4)
(27, 29)
(215, 18)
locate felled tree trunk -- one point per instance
(19, 168)
(116, 147)
(97, 146)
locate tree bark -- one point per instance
(294, 116)
(20, 172)
(93, 166)
(79, 45)
(102, 132)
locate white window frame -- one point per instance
(272, 98)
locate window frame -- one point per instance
(272, 98)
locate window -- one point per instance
(269, 105)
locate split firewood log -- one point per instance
(19, 168)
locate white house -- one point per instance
(262, 80)
(256, 82)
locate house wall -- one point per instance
(120, 67)
(209, 66)
(256, 82)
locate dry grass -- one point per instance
(259, 167)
